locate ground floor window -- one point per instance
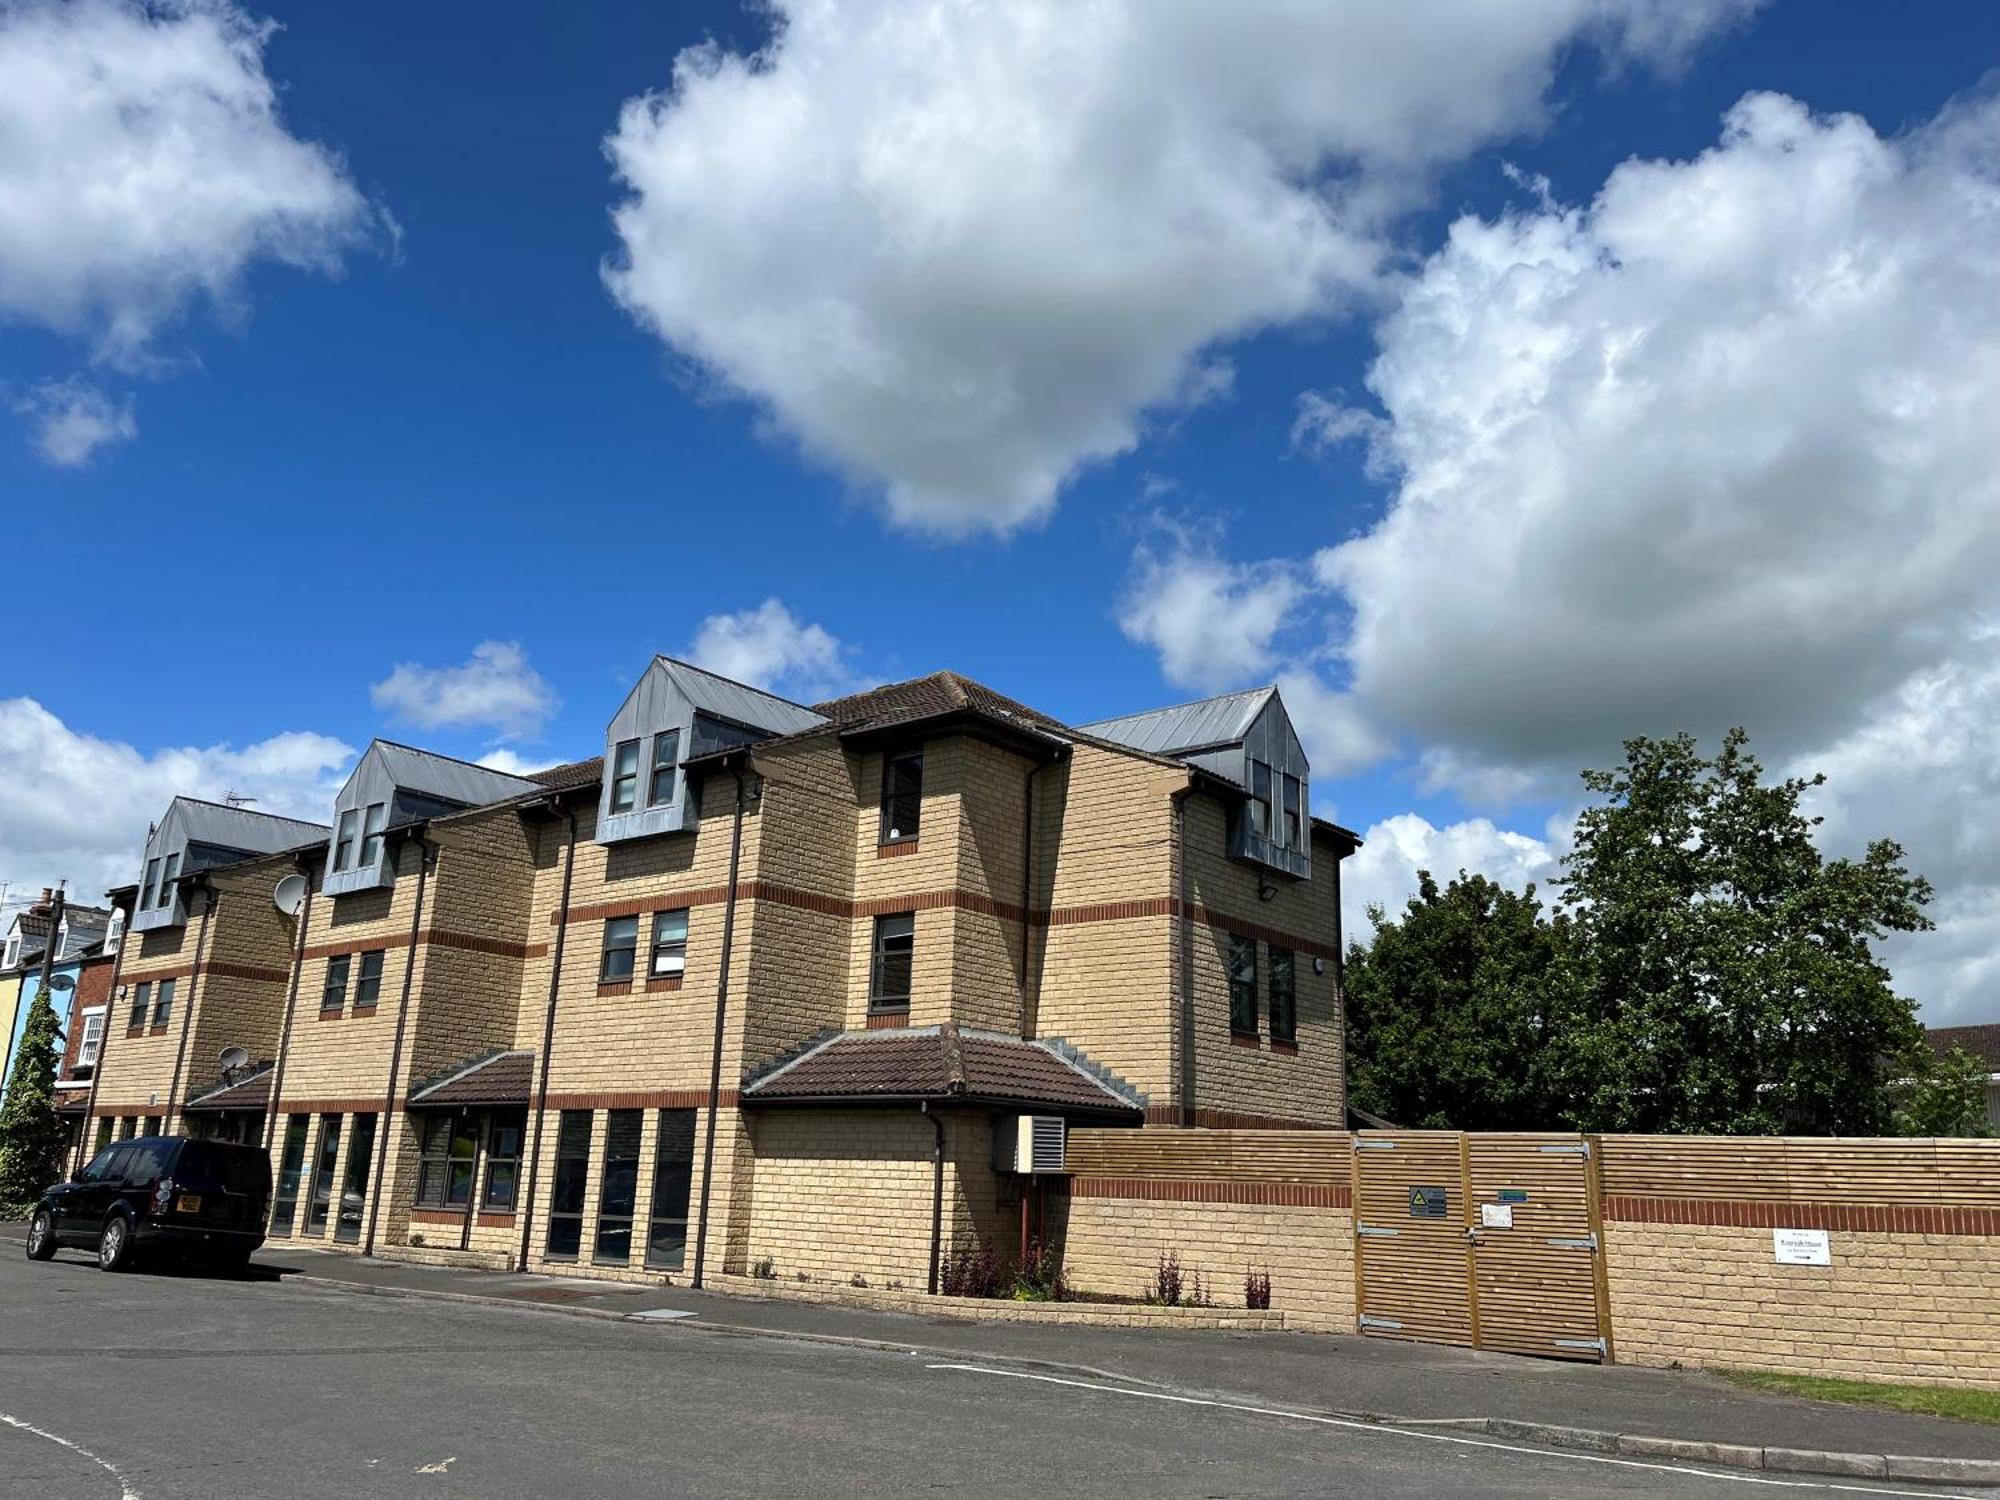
(503, 1161)
(619, 1196)
(321, 1199)
(104, 1128)
(447, 1157)
(150, 1125)
(673, 1175)
(354, 1187)
(291, 1166)
(566, 1195)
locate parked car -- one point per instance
(165, 1193)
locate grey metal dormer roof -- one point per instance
(738, 702)
(238, 829)
(441, 777)
(1186, 727)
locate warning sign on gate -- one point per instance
(1426, 1202)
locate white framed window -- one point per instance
(114, 935)
(670, 944)
(92, 1039)
(13, 953)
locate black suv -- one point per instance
(159, 1192)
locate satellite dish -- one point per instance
(233, 1058)
(62, 982)
(290, 895)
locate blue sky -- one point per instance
(452, 432)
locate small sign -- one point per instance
(1427, 1203)
(1513, 1195)
(1496, 1216)
(1801, 1247)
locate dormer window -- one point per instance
(902, 796)
(114, 935)
(1294, 825)
(371, 833)
(666, 761)
(625, 777)
(152, 886)
(168, 875)
(1260, 799)
(343, 840)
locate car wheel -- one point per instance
(41, 1236)
(114, 1246)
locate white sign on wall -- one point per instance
(1496, 1216)
(1801, 1247)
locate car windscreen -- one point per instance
(209, 1167)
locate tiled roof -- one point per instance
(253, 1092)
(944, 1064)
(1983, 1042)
(72, 1101)
(496, 1078)
(572, 774)
(928, 697)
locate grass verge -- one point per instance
(1930, 1400)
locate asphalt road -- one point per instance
(156, 1386)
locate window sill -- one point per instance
(332, 1015)
(496, 1220)
(663, 986)
(139, 1030)
(1286, 1048)
(158, 1028)
(1245, 1039)
(614, 986)
(435, 1215)
(883, 1020)
(890, 849)
(363, 1010)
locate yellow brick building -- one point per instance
(759, 990)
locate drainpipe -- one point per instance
(291, 1008)
(201, 884)
(540, 1100)
(721, 1014)
(937, 1193)
(1184, 956)
(426, 854)
(126, 937)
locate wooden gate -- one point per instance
(1490, 1241)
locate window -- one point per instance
(673, 1176)
(321, 1196)
(163, 1001)
(670, 944)
(625, 776)
(621, 945)
(91, 1040)
(895, 948)
(445, 1161)
(334, 996)
(1260, 799)
(128, 1126)
(503, 1161)
(114, 935)
(1284, 996)
(371, 833)
(62, 941)
(572, 1171)
(168, 875)
(291, 1166)
(1294, 811)
(666, 756)
(354, 1188)
(150, 891)
(13, 953)
(343, 839)
(368, 988)
(1243, 985)
(105, 1127)
(142, 999)
(152, 1124)
(620, 1193)
(902, 796)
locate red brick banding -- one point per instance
(888, 1020)
(663, 986)
(899, 847)
(1180, 1190)
(1223, 1119)
(1875, 1218)
(614, 987)
(654, 1099)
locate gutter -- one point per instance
(937, 1194)
(538, 1101)
(735, 764)
(200, 883)
(426, 856)
(305, 868)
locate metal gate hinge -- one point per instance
(1579, 1148)
(1597, 1344)
(1584, 1242)
(1361, 1145)
(1364, 1321)
(1375, 1232)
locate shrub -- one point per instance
(1041, 1279)
(765, 1269)
(1168, 1284)
(1257, 1289)
(857, 1279)
(970, 1270)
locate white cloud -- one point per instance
(73, 419)
(147, 165)
(1383, 872)
(962, 250)
(1211, 620)
(76, 807)
(495, 689)
(1717, 448)
(771, 648)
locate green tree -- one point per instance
(31, 1137)
(1452, 1009)
(1946, 1095)
(1727, 979)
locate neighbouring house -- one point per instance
(1981, 1042)
(80, 933)
(811, 988)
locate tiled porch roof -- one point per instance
(253, 1092)
(495, 1078)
